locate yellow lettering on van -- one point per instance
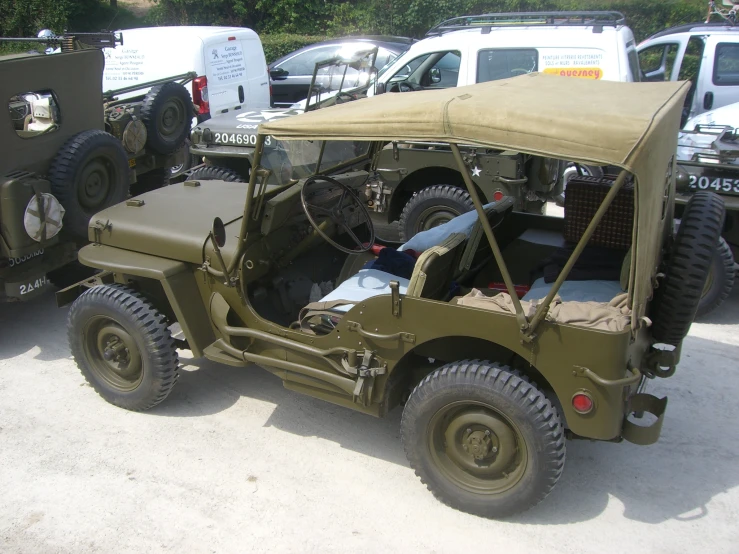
(578, 72)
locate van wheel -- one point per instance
(215, 173)
(167, 114)
(431, 207)
(190, 161)
(687, 267)
(90, 173)
(123, 346)
(720, 279)
(483, 439)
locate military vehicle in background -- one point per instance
(70, 150)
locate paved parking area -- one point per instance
(232, 462)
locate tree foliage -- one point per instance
(320, 18)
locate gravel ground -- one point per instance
(233, 462)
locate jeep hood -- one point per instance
(172, 222)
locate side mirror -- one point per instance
(278, 74)
(435, 75)
(380, 88)
(219, 232)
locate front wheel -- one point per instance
(431, 207)
(483, 439)
(123, 347)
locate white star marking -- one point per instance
(264, 115)
(476, 171)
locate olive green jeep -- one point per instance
(501, 333)
(70, 151)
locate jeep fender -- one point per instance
(177, 279)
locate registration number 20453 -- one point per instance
(717, 184)
(239, 138)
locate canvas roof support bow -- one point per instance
(523, 323)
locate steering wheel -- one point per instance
(404, 86)
(336, 214)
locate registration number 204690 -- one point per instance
(717, 184)
(238, 138)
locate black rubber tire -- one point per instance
(167, 113)
(215, 173)
(148, 329)
(686, 268)
(447, 198)
(720, 279)
(151, 180)
(179, 171)
(481, 382)
(69, 274)
(90, 173)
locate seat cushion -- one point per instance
(365, 284)
(577, 291)
(424, 240)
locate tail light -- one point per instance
(200, 94)
(582, 402)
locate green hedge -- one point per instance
(278, 44)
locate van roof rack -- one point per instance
(597, 19)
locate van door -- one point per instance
(720, 73)
(232, 66)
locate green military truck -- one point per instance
(70, 151)
(495, 360)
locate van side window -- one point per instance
(34, 113)
(504, 63)
(726, 64)
(431, 71)
(657, 61)
(692, 60)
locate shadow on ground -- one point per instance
(675, 479)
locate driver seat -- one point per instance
(433, 273)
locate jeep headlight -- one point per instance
(43, 217)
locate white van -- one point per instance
(473, 49)
(707, 55)
(229, 62)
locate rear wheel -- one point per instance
(483, 439)
(720, 279)
(431, 207)
(123, 346)
(215, 173)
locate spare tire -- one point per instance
(167, 114)
(686, 268)
(431, 207)
(720, 279)
(90, 173)
(215, 173)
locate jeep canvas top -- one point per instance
(493, 378)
